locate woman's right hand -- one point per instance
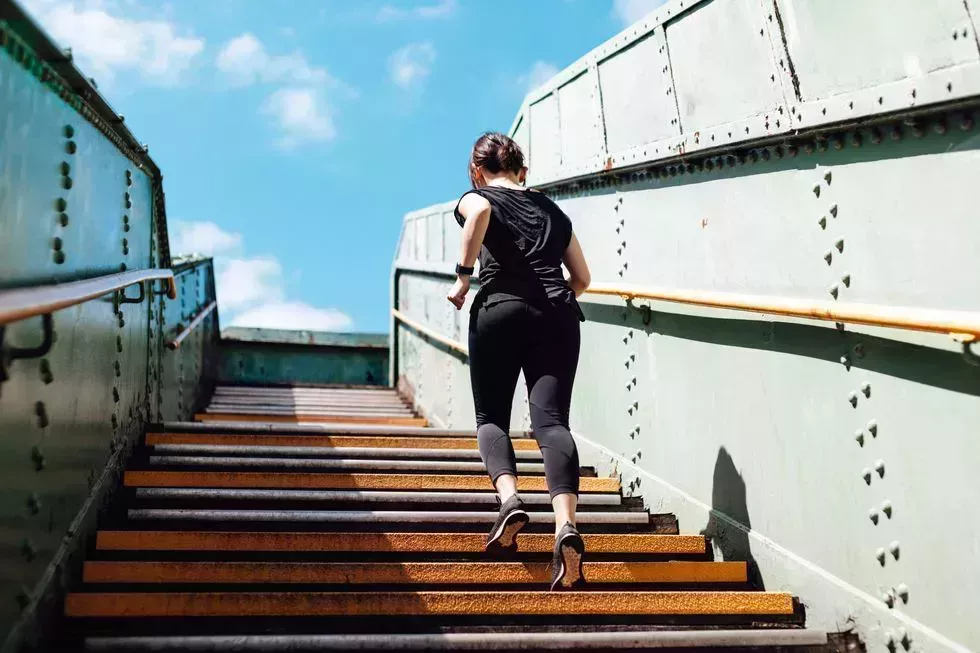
(457, 296)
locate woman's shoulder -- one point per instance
(472, 201)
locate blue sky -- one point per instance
(294, 134)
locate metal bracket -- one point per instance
(969, 355)
(123, 299)
(10, 354)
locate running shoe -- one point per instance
(566, 564)
(512, 518)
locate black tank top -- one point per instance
(523, 249)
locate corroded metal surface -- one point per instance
(244, 604)
(326, 441)
(342, 481)
(380, 542)
(405, 573)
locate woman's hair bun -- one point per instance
(496, 153)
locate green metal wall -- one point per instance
(785, 149)
(76, 202)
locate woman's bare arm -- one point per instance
(578, 270)
(475, 210)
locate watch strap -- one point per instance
(463, 270)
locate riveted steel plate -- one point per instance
(636, 105)
(520, 134)
(839, 46)
(435, 249)
(722, 63)
(579, 120)
(545, 138)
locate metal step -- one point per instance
(371, 516)
(326, 481)
(130, 605)
(361, 496)
(333, 429)
(510, 641)
(242, 416)
(253, 408)
(336, 464)
(326, 452)
(284, 541)
(339, 441)
(406, 573)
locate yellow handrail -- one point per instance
(186, 331)
(429, 333)
(962, 325)
(22, 303)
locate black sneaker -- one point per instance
(566, 564)
(512, 518)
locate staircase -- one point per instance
(308, 519)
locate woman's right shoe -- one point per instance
(510, 521)
(566, 563)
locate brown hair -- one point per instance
(496, 153)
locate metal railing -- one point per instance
(22, 303)
(430, 333)
(186, 331)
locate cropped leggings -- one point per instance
(505, 338)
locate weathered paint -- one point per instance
(837, 167)
(295, 604)
(383, 542)
(398, 573)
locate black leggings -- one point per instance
(504, 338)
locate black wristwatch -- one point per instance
(463, 270)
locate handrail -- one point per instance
(429, 333)
(962, 325)
(22, 303)
(179, 338)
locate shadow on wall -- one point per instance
(728, 498)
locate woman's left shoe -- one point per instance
(566, 564)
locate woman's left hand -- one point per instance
(457, 296)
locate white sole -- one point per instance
(507, 532)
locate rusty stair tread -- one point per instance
(299, 451)
(484, 641)
(324, 429)
(156, 540)
(329, 441)
(405, 572)
(293, 419)
(349, 604)
(342, 481)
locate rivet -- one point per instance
(866, 389)
(896, 133)
(63, 219)
(876, 136)
(69, 131)
(115, 395)
(808, 147)
(37, 456)
(822, 222)
(66, 183)
(60, 205)
(65, 168)
(828, 256)
(117, 368)
(845, 360)
(28, 550)
(56, 244)
(866, 475)
(839, 244)
(858, 350)
(58, 257)
(939, 127)
(889, 599)
(894, 549)
(70, 147)
(816, 190)
(828, 177)
(119, 346)
(114, 421)
(880, 468)
(881, 556)
(122, 266)
(846, 280)
(837, 143)
(966, 122)
(856, 139)
(873, 516)
(890, 641)
(853, 399)
(873, 427)
(886, 507)
(834, 291)
(903, 635)
(859, 437)
(792, 151)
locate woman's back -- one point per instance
(523, 248)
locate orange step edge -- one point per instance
(296, 419)
(102, 571)
(381, 442)
(349, 604)
(640, 543)
(219, 479)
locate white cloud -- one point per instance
(293, 315)
(442, 9)
(630, 11)
(204, 238)
(298, 107)
(301, 116)
(245, 60)
(105, 44)
(410, 65)
(539, 73)
(251, 290)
